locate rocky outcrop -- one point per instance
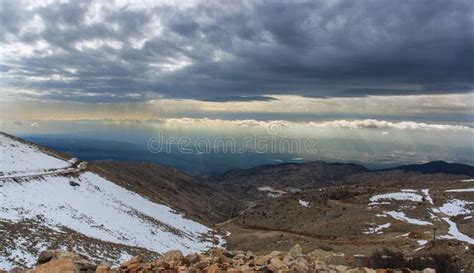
(60, 261)
(214, 261)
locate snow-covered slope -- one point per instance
(85, 203)
(22, 157)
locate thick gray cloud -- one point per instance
(229, 50)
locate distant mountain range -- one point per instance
(436, 167)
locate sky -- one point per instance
(365, 64)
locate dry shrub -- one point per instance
(386, 258)
(441, 262)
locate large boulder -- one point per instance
(174, 257)
(192, 258)
(60, 261)
(277, 264)
(45, 256)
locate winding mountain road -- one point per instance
(74, 168)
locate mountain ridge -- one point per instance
(437, 166)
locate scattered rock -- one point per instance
(214, 261)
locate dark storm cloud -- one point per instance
(426, 90)
(225, 51)
(238, 98)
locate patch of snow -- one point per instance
(381, 215)
(377, 229)
(274, 195)
(271, 192)
(304, 203)
(399, 215)
(422, 242)
(408, 190)
(461, 190)
(268, 188)
(454, 233)
(456, 207)
(401, 196)
(124, 256)
(73, 160)
(468, 217)
(418, 249)
(403, 235)
(426, 192)
(294, 190)
(468, 180)
(379, 203)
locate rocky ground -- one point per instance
(344, 219)
(215, 260)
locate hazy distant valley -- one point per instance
(374, 155)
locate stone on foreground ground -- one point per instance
(214, 261)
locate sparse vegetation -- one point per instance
(441, 262)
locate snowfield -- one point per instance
(19, 157)
(399, 215)
(454, 233)
(400, 196)
(456, 207)
(101, 209)
(461, 190)
(88, 204)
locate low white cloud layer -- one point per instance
(344, 124)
